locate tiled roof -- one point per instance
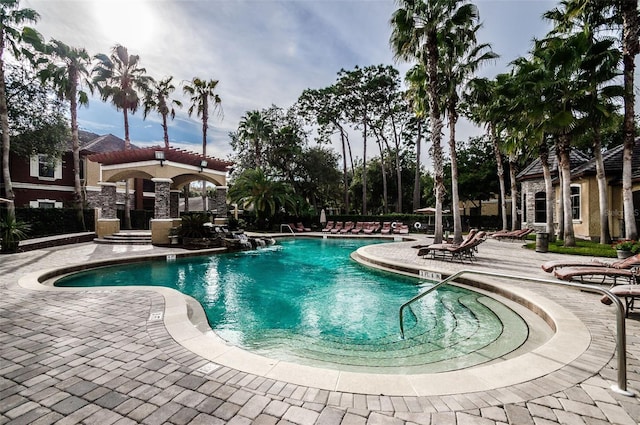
(149, 154)
(106, 143)
(534, 170)
(612, 163)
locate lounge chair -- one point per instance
(293, 227)
(604, 273)
(337, 227)
(359, 227)
(301, 228)
(371, 227)
(401, 229)
(424, 249)
(328, 226)
(628, 292)
(348, 226)
(626, 263)
(386, 228)
(513, 235)
(467, 249)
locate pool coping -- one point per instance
(185, 321)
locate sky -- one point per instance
(262, 52)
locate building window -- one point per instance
(46, 168)
(46, 204)
(541, 207)
(575, 202)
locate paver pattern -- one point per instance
(104, 357)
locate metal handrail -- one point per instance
(621, 337)
(288, 227)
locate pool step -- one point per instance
(126, 238)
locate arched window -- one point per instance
(541, 207)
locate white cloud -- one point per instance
(263, 52)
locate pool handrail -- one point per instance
(288, 227)
(621, 333)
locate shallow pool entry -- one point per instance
(304, 300)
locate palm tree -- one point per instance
(480, 99)
(255, 129)
(415, 79)
(461, 57)
(416, 27)
(13, 36)
(201, 92)
(254, 189)
(120, 78)
(67, 70)
(157, 98)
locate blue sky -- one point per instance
(263, 52)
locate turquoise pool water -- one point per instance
(305, 300)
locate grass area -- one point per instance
(581, 248)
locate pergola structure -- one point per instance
(170, 169)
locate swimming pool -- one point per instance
(305, 301)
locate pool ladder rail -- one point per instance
(621, 333)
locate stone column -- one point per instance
(162, 202)
(220, 201)
(108, 223)
(162, 223)
(174, 204)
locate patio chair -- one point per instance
(602, 273)
(348, 226)
(625, 263)
(466, 250)
(386, 228)
(359, 227)
(424, 249)
(628, 292)
(328, 226)
(337, 227)
(300, 228)
(401, 229)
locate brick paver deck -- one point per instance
(104, 357)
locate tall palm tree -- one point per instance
(68, 70)
(415, 79)
(480, 99)
(201, 92)
(158, 98)
(256, 130)
(461, 57)
(120, 78)
(13, 36)
(416, 27)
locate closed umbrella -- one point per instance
(323, 217)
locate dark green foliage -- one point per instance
(52, 221)
(192, 226)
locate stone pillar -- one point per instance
(162, 223)
(220, 201)
(162, 202)
(174, 203)
(108, 223)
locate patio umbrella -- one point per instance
(323, 217)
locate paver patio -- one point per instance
(104, 357)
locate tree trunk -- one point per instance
(127, 201)
(345, 170)
(78, 201)
(500, 172)
(603, 202)
(185, 193)
(436, 130)
(205, 126)
(385, 204)
(565, 165)
(416, 180)
(548, 188)
(364, 166)
(629, 9)
(396, 140)
(455, 198)
(514, 193)
(6, 141)
(165, 130)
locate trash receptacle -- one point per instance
(542, 242)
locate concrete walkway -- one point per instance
(106, 357)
